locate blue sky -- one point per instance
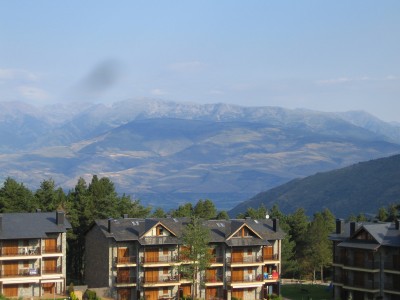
(321, 55)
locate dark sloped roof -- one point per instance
(30, 225)
(384, 233)
(133, 229)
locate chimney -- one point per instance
(275, 224)
(339, 226)
(60, 218)
(125, 216)
(352, 228)
(110, 225)
(397, 224)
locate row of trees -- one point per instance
(306, 249)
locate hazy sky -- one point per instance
(322, 55)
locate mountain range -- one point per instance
(360, 188)
(167, 153)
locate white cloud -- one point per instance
(158, 92)
(216, 92)
(187, 66)
(17, 74)
(342, 80)
(33, 93)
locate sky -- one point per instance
(319, 55)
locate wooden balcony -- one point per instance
(125, 279)
(245, 279)
(163, 259)
(20, 251)
(364, 265)
(125, 260)
(269, 257)
(214, 279)
(160, 280)
(22, 272)
(245, 260)
(51, 250)
(217, 260)
(52, 270)
(369, 286)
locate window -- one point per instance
(165, 271)
(165, 291)
(249, 251)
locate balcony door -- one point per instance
(151, 294)
(10, 248)
(50, 265)
(211, 293)
(237, 275)
(268, 252)
(124, 294)
(211, 275)
(10, 268)
(151, 255)
(237, 293)
(123, 255)
(151, 275)
(10, 290)
(50, 245)
(237, 255)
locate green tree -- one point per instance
(253, 213)
(392, 211)
(205, 209)
(196, 238)
(382, 214)
(15, 197)
(185, 210)
(48, 197)
(222, 215)
(158, 213)
(318, 246)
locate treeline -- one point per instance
(306, 250)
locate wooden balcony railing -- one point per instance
(55, 249)
(52, 270)
(159, 259)
(21, 251)
(395, 266)
(217, 259)
(211, 279)
(125, 279)
(392, 286)
(247, 278)
(244, 259)
(126, 260)
(267, 257)
(160, 279)
(368, 285)
(23, 272)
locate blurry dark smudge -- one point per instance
(102, 77)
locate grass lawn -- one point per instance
(305, 291)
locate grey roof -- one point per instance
(30, 225)
(133, 229)
(384, 233)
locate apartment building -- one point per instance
(142, 259)
(33, 254)
(366, 260)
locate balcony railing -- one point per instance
(271, 257)
(247, 278)
(244, 259)
(392, 286)
(363, 264)
(52, 270)
(368, 285)
(23, 272)
(53, 249)
(125, 260)
(395, 266)
(125, 279)
(159, 259)
(160, 279)
(215, 278)
(217, 259)
(24, 251)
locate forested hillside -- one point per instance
(362, 187)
